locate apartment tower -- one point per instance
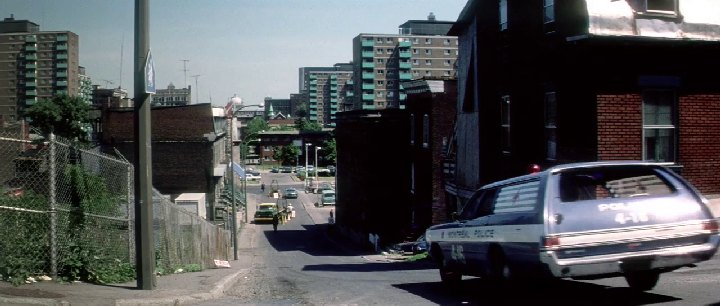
(382, 61)
(327, 91)
(34, 65)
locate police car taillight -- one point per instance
(551, 242)
(712, 226)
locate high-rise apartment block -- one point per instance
(328, 89)
(382, 61)
(35, 65)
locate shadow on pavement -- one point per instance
(475, 291)
(372, 267)
(313, 240)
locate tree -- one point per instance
(257, 125)
(303, 125)
(301, 110)
(62, 115)
(330, 150)
(287, 155)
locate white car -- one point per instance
(251, 177)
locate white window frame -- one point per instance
(505, 120)
(426, 131)
(428, 51)
(653, 146)
(503, 14)
(412, 129)
(548, 11)
(428, 41)
(428, 62)
(550, 125)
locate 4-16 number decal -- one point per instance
(456, 253)
(631, 217)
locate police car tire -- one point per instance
(642, 280)
(449, 277)
(500, 272)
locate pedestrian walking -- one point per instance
(262, 187)
(276, 220)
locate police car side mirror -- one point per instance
(455, 216)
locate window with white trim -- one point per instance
(428, 52)
(659, 125)
(428, 62)
(548, 11)
(505, 123)
(503, 15)
(426, 131)
(412, 128)
(662, 7)
(550, 125)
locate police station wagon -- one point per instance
(581, 221)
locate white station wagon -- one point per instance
(580, 221)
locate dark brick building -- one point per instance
(373, 174)
(188, 147)
(432, 110)
(549, 82)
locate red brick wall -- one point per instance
(619, 135)
(619, 127)
(699, 141)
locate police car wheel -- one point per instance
(449, 277)
(499, 270)
(642, 280)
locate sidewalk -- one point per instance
(175, 289)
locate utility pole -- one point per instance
(144, 85)
(185, 70)
(197, 92)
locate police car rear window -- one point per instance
(517, 198)
(617, 182)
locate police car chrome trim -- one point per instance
(638, 233)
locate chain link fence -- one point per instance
(68, 212)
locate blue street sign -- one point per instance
(149, 74)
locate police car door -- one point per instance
(473, 244)
(516, 222)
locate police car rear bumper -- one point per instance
(670, 258)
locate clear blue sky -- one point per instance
(252, 48)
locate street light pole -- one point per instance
(307, 145)
(231, 116)
(316, 164)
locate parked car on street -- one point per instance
(412, 247)
(286, 169)
(579, 221)
(327, 197)
(251, 177)
(290, 193)
(265, 212)
(275, 170)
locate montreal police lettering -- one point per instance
(457, 234)
(484, 233)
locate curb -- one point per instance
(215, 293)
(32, 301)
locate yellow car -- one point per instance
(265, 212)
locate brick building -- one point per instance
(431, 107)
(549, 82)
(373, 174)
(188, 147)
